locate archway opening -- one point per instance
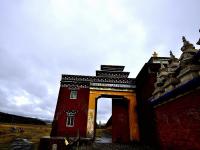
(103, 129)
(112, 120)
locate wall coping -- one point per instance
(176, 92)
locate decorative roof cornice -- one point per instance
(81, 78)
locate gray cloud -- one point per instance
(40, 40)
(104, 109)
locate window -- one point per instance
(70, 121)
(73, 94)
(70, 118)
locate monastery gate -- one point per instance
(167, 103)
(76, 108)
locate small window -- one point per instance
(70, 118)
(70, 121)
(73, 94)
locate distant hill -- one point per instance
(48, 121)
(10, 118)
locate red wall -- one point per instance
(120, 121)
(178, 123)
(65, 103)
(144, 89)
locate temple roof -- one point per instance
(112, 68)
(108, 76)
(112, 71)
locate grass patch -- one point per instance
(103, 132)
(9, 132)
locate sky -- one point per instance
(42, 39)
(104, 110)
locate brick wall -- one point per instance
(178, 123)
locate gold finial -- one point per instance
(155, 54)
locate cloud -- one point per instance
(42, 39)
(104, 109)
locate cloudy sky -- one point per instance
(42, 39)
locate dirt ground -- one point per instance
(33, 133)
